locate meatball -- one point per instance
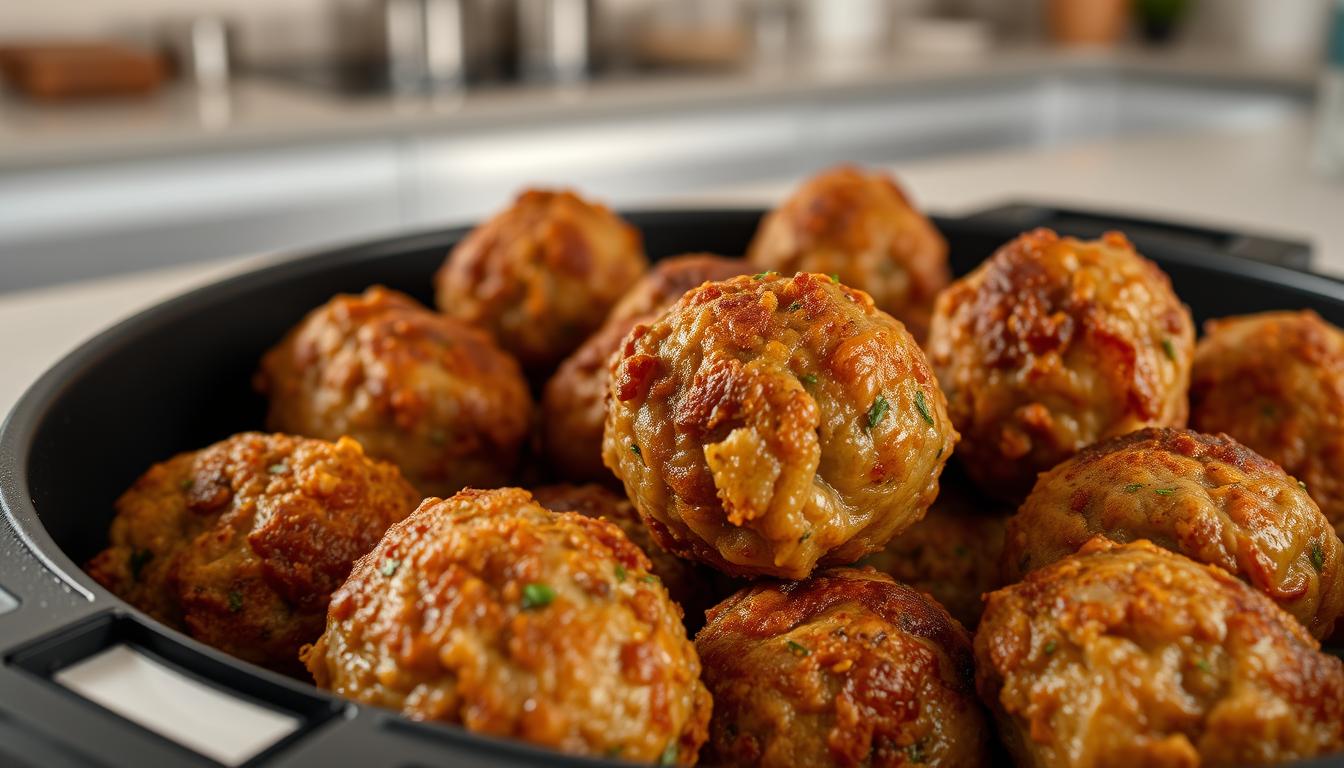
(1126, 655)
(1275, 381)
(1053, 344)
(861, 227)
(768, 424)
(848, 668)
(489, 611)
(541, 275)
(1206, 497)
(431, 394)
(574, 404)
(242, 543)
(691, 586)
(953, 553)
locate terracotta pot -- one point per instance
(1087, 22)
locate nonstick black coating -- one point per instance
(178, 377)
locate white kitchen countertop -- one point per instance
(1255, 181)
(268, 112)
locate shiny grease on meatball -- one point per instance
(574, 403)
(863, 228)
(1127, 655)
(848, 668)
(953, 553)
(1053, 344)
(489, 611)
(1206, 497)
(542, 274)
(691, 586)
(1275, 382)
(242, 543)
(429, 393)
(768, 424)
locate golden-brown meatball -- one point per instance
(691, 586)
(769, 424)
(424, 391)
(1125, 655)
(574, 405)
(1275, 381)
(953, 553)
(848, 668)
(542, 274)
(1052, 344)
(861, 227)
(1206, 497)
(489, 611)
(242, 543)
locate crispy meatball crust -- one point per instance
(953, 553)
(574, 404)
(1275, 381)
(767, 424)
(489, 611)
(691, 586)
(242, 543)
(542, 274)
(862, 227)
(1125, 655)
(848, 668)
(1052, 344)
(1207, 497)
(431, 394)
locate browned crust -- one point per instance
(542, 274)
(1052, 344)
(441, 622)
(425, 391)
(750, 404)
(861, 226)
(242, 543)
(1132, 655)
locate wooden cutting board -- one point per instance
(60, 71)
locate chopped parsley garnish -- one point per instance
(1204, 665)
(186, 483)
(235, 601)
(923, 407)
(1050, 647)
(799, 650)
(795, 306)
(1133, 487)
(1317, 556)
(877, 410)
(278, 469)
(139, 559)
(1301, 485)
(915, 754)
(762, 275)
(1169, 349)
(808, 378)
(390, 566)
(634, 448)
(1164, 491)
(804, 537)
(649, 578)
(669, 756)
(537, 595)
(619, 571)
(835, 277)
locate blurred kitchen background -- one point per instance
(137, 134)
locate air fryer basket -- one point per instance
(177, 377)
